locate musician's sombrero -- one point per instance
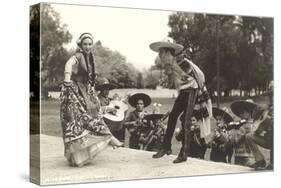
(166, 43)
(237, 107)
(144, 97)
(153, 116)
(196, 113)
(103, 83)
(220, 112)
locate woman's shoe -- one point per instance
(115, 143)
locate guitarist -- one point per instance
(104, 87)
(135, 119)
(263, 135)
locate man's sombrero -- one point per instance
(166, 43)
(103, 84)
(196, 113)
(144, 97)
(153, 116)
(219, 112)
(237, 107)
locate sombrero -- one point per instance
(103, 83)
(195, 113)
(219, 112)
(166, 43)
(134, 99)
(153, 116)
(237, 107)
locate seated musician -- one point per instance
(152, 135)
(198, 145)
(262, 136)
(135, 119)
(104, 87)
(221, 148)
(243, 109)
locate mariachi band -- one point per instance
(91, 120)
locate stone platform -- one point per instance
(115, 165)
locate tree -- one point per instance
(245, 45)
(34, 40)
(53, 55)
(114, 66)
(151, 78)
(53, 33)
(140, 81)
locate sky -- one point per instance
(129, 31)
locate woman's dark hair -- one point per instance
(81, 38)
(84, 34)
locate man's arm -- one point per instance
(130, 121)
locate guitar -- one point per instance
(115, 120)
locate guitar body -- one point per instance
(115, 121)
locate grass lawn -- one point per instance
(50, 118)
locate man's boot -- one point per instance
(182, 156)
(161, 153)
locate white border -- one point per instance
(14, 89)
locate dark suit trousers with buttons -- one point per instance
(184, 103)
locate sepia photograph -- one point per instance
(129, 94)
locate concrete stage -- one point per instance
(114, 165)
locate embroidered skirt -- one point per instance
(85, 134)
(83, 150)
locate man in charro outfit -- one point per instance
(192, 90)
(244, 110)
(221, 148)
(263, 135)
(135, 120)
(198, 145)
(104, 87)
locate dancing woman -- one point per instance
(84, 132)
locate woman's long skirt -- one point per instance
(85, 133)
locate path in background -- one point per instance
(157, 93)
